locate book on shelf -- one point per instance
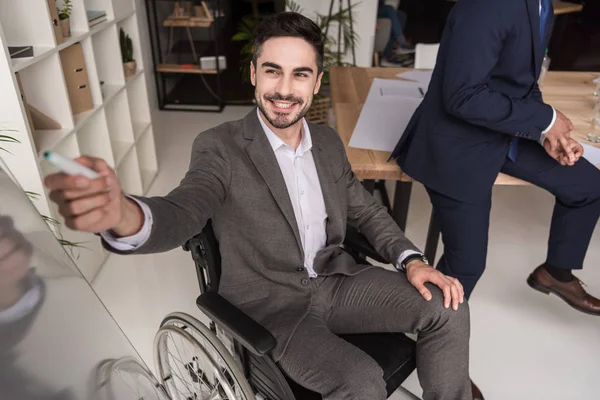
(95, 17)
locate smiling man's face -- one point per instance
(286, 79)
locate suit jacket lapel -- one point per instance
(262, 156)
(330, 195)
(533, 10)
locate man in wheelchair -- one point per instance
(279, 193)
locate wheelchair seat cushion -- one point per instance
(394, 352)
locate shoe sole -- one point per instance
(531, 281)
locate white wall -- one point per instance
(365, 15)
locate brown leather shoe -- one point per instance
(476, 392)
(572, 292)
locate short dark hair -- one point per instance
(289, 24)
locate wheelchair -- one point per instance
(206, 368)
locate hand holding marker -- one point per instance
(69, 166)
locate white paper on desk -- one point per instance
(423, 77)
(592, 154)
(389, 106)
(597, 80)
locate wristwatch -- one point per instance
(410, 258)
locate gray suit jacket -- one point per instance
(234, 180)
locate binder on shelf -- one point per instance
(37, 119)
(76, 78)
(55, 22)
(40, 120)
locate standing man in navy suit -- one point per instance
(484, 114)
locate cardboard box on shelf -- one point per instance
(76, 78)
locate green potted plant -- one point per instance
(335, 48)
(64, 16)
(129, 64)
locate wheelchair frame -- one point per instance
(262, 373)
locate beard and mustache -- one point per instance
(283, 120)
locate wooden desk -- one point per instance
(570, 92)
(564, 7)
(560, 7)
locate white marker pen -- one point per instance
(69, 166)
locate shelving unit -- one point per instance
(178, 43)
(116, 124)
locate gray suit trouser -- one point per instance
(377, 300)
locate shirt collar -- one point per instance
(276, 142)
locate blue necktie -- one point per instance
(544, 19)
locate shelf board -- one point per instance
(47, 139)
(76, 36)
(42, 52)
(187, 23)
(110, 91)
(178, 69)
(123, 18)
(148, 177)
(131, 78)
(81, 118)
(101, 26)
(120, 150)
(39, 53)
(139, 128)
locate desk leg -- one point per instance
(369, 185)
(433, 238)
(385, 200)
(401, 201)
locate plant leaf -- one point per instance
(50, 220)
(32, 195)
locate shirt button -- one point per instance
(304, 282)
(307, 227)
(302, 193)
(300, 269)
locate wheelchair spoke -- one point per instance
(181, 375)
(192, 372)
(205, 369)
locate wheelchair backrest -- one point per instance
(204, 248)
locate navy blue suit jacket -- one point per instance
(483, 93)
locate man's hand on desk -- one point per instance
(561, 156)
(558, 140)
(95, 205)
(418, 273)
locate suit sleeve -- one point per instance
(183, 212)
(372, 219)
(474, 43)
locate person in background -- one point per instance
(484, 114)
(397, 44)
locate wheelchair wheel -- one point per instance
(192, 362)
(127, 379)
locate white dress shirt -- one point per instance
(22, 307)
(302, 181)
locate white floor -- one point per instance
(524, 345)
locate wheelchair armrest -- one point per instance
(249, 333)
(358, 243)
